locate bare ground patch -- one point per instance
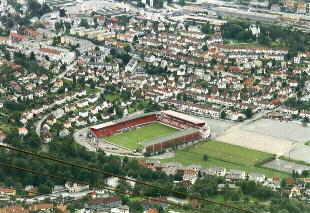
(253, 140)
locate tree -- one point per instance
(231, 30)
(205, 47)
(135, 206)
(235, 195)
(123, 186)
(182, 2)
(283, 183)
(264, 40)
(7, 55)
(248, 113)
(248, 187)
(305, 173)
(205, 157)
(84, 23)
(32, 56)
(206, 28)
(35, 9)
(135, 39)
(283, 211)
(58, 26)
(67, 26)
(305, 121)
(96, 21)
(223, 115)
(127, 48)
(62, 12)
(44, 189)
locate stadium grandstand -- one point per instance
(189, 129)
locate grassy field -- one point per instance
(112, 97)
(226, 156)
(133, 138)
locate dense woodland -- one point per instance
(270, 36)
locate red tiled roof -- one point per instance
(2, 38)
(105, 200)
(42, 206)
(50, 51)
(18, 36)
(7, 190)
(14, 209)
(151, 211)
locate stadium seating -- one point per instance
(110, 130)
(169, 120)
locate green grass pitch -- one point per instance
(132, 139)
(226, 156)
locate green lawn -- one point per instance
(112, 97)
(133, 138)
(7, 128)
(226, 156)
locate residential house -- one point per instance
(63, 133)
(295, 192)
(4, 40)
(7, 191)
(58, 188)
(82, 104)
(42, 207)
(151, 210)
(81, 122)
(22, 131)
(14, 209)
(67, 124)
(47, 137)
(15, 37)
(301, 7)
(74, 187)
(93, 119)
(275, 7)
(51, 120)
(84, 114)
(236, 175)
(105, 202)
(121, 209)
(257, 178)
(93, 98)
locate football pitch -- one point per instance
(134, 138)
(226, 156)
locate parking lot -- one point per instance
(256, 141)
(272, 136)
(218, 127)
(283, 130)
(286, 166)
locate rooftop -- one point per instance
(172, 136)
(103, 125)
(184, 117)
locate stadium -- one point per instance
(152, 132)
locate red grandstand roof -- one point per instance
(110, 127)
(100, 126)
(185, 117)
(130, 117)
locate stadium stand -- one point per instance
(191, 129)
